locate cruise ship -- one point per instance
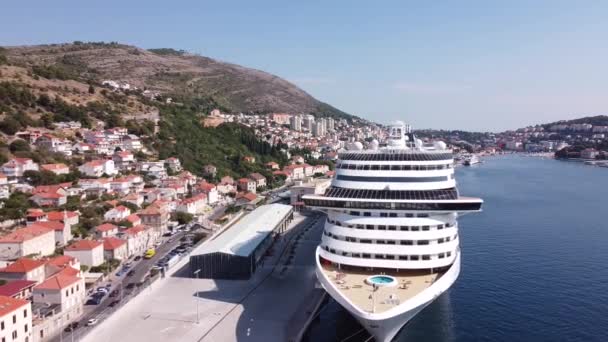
(390, 245)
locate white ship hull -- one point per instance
(386, 325)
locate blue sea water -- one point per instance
(534, 262)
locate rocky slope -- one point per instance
(175, 73)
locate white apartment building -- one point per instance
(26, 241)
(15, 320)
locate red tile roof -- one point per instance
(54, 167)
(112, 243)
(14, 287)
(9, 304)
(106, 227)
(24, 234)
(248, 196)
(61, 260)
(134, 230)
(58, 215)
(133, 218)
(83, 245)
(22, 265)
(57, 282)
(54, 225)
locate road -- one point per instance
(102, 310)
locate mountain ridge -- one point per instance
(175, 73)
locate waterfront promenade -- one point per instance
(263, 308)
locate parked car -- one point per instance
(103, 289)
(130, 286)
(93, 301)
(71, 327)
(92, 321)
(115, 293)
(137, 258)
(130, 273)
(114, 303)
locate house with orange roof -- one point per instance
(122, 186)
(115, 248)
(247, 185)
(94, 183)
(89, 252)
(193, 205)
(260, 180)
(294, 171)
(24, 269)
(19, 289)
(48, 199)
(27, 241)
(15, 167)
(61, 188)
(59, 263)
(98, 167)
(63, 231)
(34, 215)
(138, 239)
(308, 170)
(272, 165)
(246, 198)
(65, 216)
(134, 198)
(16, 318)
(210, 190)
(117, 214)
(65, 290)
(106, 229)
(156, 215)
(58, 169)
(134, 219)
(124, 160)
(54, 144)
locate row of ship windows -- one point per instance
(389, 256)
(394, 167)
(390, 242)
(385, 227)
(450, 206)
(370, 214)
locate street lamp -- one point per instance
(195, 274)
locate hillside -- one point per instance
(598, 120)
(175, 73)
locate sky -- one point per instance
(472, 65)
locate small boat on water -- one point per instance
(471, 160)
(602, 164)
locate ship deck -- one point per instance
(351, 283)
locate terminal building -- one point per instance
(237, 252)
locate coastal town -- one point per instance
(74, 232)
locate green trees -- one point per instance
(15, 206)
(19, 145)
(91, 89)
(182, 218)
(10, 126)
(182, 135)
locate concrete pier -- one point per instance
(271, 306)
